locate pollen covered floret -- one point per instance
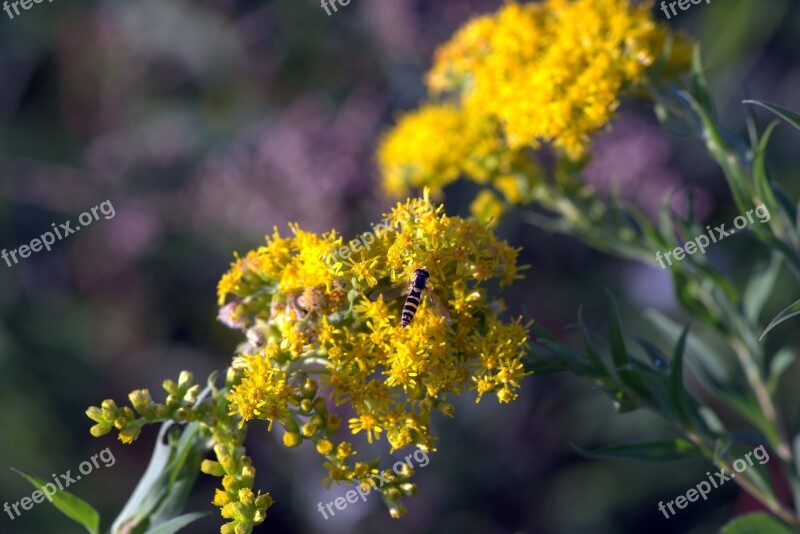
(347, 356)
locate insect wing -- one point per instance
(438, 308)
(390, 292)
(296, 380)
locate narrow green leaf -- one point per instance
(71, 506)
(676, 387)
(785, 315)
(569, 357)
(757, 474)
(657, 358)
(757, 523)
(619, 353)
(711, 420)
(176, 523)
(539, 330)
(658, 451)
(760, 286)
(699, 85)
(760, 176)
(705, 360)
(591, 353)
(134, 512)
(781, 361)
(750, 122)
(789, 116)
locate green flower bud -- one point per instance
(210, 467)
(397, 511)
(309, 388)
(140, 400)
(320, 406)
(264, 501)
(408, 489)
(317, 420)
(185, 380)
(95, 414)
(191, 394)
(100, 429)
(446, 408)
(170, 387)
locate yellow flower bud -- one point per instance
(324, 446)
(309, 429)
(292, 439)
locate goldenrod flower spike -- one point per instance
(315, 341)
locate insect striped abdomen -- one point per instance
(410, 307)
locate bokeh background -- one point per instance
(205, 124)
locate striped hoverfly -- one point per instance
(415, 289)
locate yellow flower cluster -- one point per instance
(308, 317)
(534, 73)
(319, 350)
(439, 143)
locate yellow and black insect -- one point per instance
(415, 288)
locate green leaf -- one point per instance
(706, 361)
(699, 85)
(567, 356)
(71, 506)
(165, 485)
(658, 359)
(757, 474)
(760, 287)
(757, 523)
(760, 176)
(676, 387)
(789, 116)
(658, 451)
(785, 315)
(176, 523)
(132, 513)
(711, 420)
(619, 353)
(591, 353)
(781, 361)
